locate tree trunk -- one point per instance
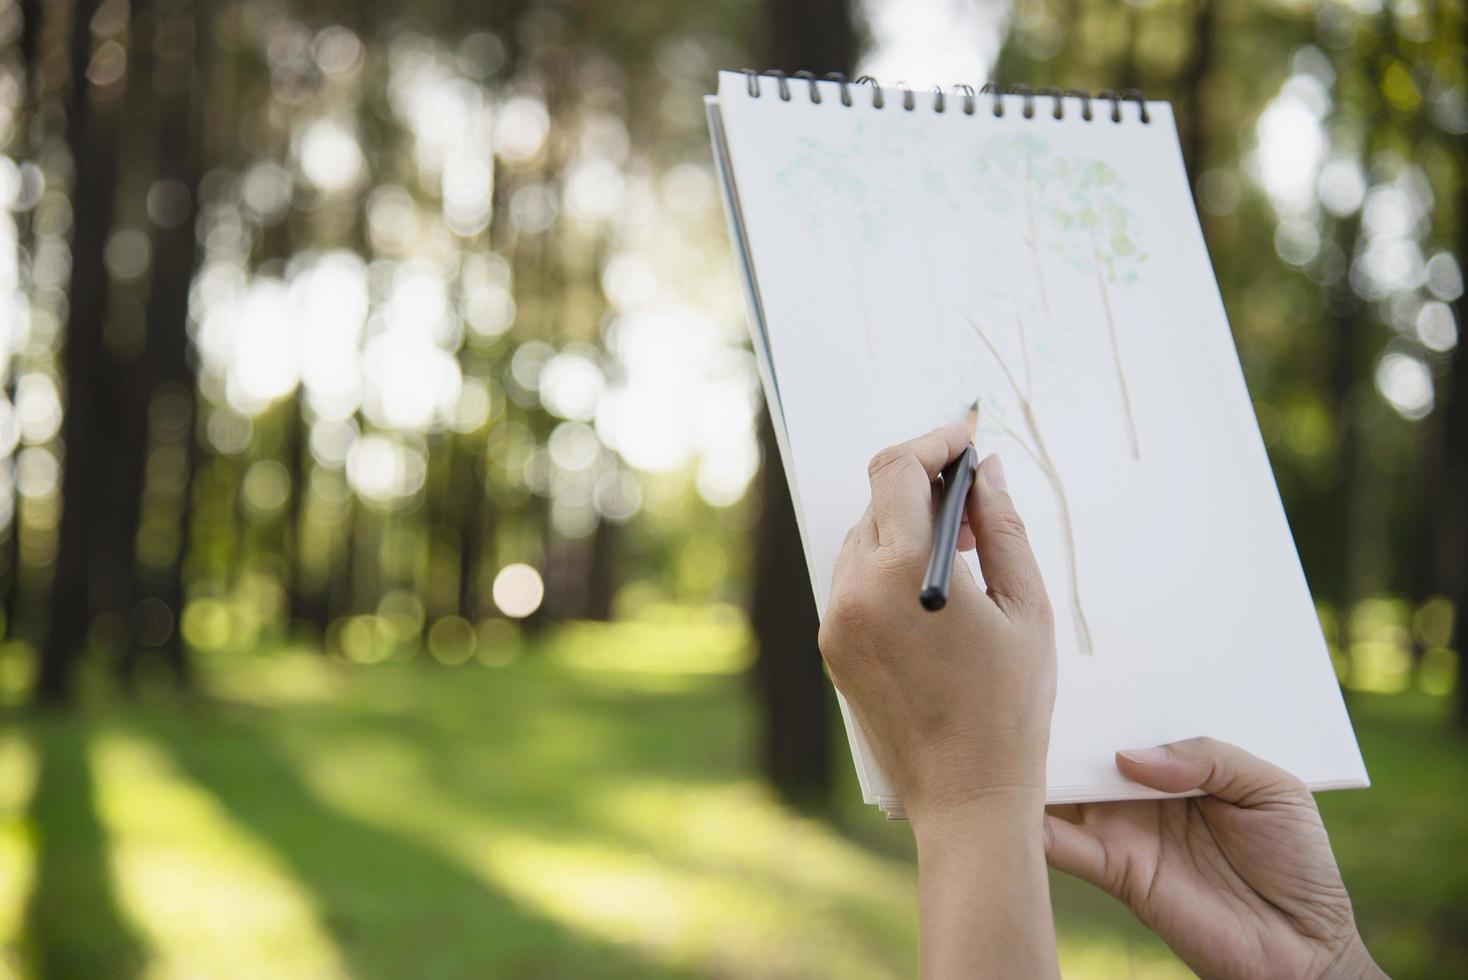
(1424, 572)
(169, 372)
(124, 387)
(32, 12)
(339, 594)
(601, 585)
(1193, 81)
(1345, 374)
(92, 132)
(788, 675)
(309, 582)
(1128, 76)
(1453, 526)
(475, 519)
(797, 717)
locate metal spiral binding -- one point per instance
(1029, 96)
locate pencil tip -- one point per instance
(973, 421)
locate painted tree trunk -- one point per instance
(1126, 395)
(1084, 643)
(1033, 443)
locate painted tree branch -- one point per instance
(1046, 464)
(1126, 397)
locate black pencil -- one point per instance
(958, 478)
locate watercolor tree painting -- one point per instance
(1073, 208)
(853, 176)
(1028, 433)
(1040, 219)
(1095, 230)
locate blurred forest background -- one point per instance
(391, 582)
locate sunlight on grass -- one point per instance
(715, 643)
(17, 866)
(709, 873)
(721, 923)
(291, 677)
(589, 809)
(733, 828)
(689, 884)
(726, 878)
(208, 898)
(739, 825)
(718, 878)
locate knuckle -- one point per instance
(827, 637)
(843, 617)
(897, 556)
(1199, 748)
(1022, 589)
(1009, 524)
(1204, 745)
(1295, 786)
(885, 461)
(854, 609)
(1040, 608)
(831, 624)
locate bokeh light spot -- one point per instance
(330, 156)
(518, 590)
(1406, 383)
(452, 640)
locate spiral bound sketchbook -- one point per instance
(906, 252)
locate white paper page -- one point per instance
(909, 262)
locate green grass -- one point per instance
(1403, 844)
(589, 810)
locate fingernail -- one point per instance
(1147, 757)
(991, 471)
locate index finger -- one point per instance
(902, 477)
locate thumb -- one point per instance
(1217, 768)
(1008, 563)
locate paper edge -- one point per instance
(758, 333)
(892, 807)
(1165, 114)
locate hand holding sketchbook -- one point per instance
(904, 254)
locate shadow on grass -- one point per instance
(394, 907)
(543, 748)
(73, 925)
(544, 753)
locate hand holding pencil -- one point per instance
(956, 703)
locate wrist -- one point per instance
(952, 784)
(954, 820)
